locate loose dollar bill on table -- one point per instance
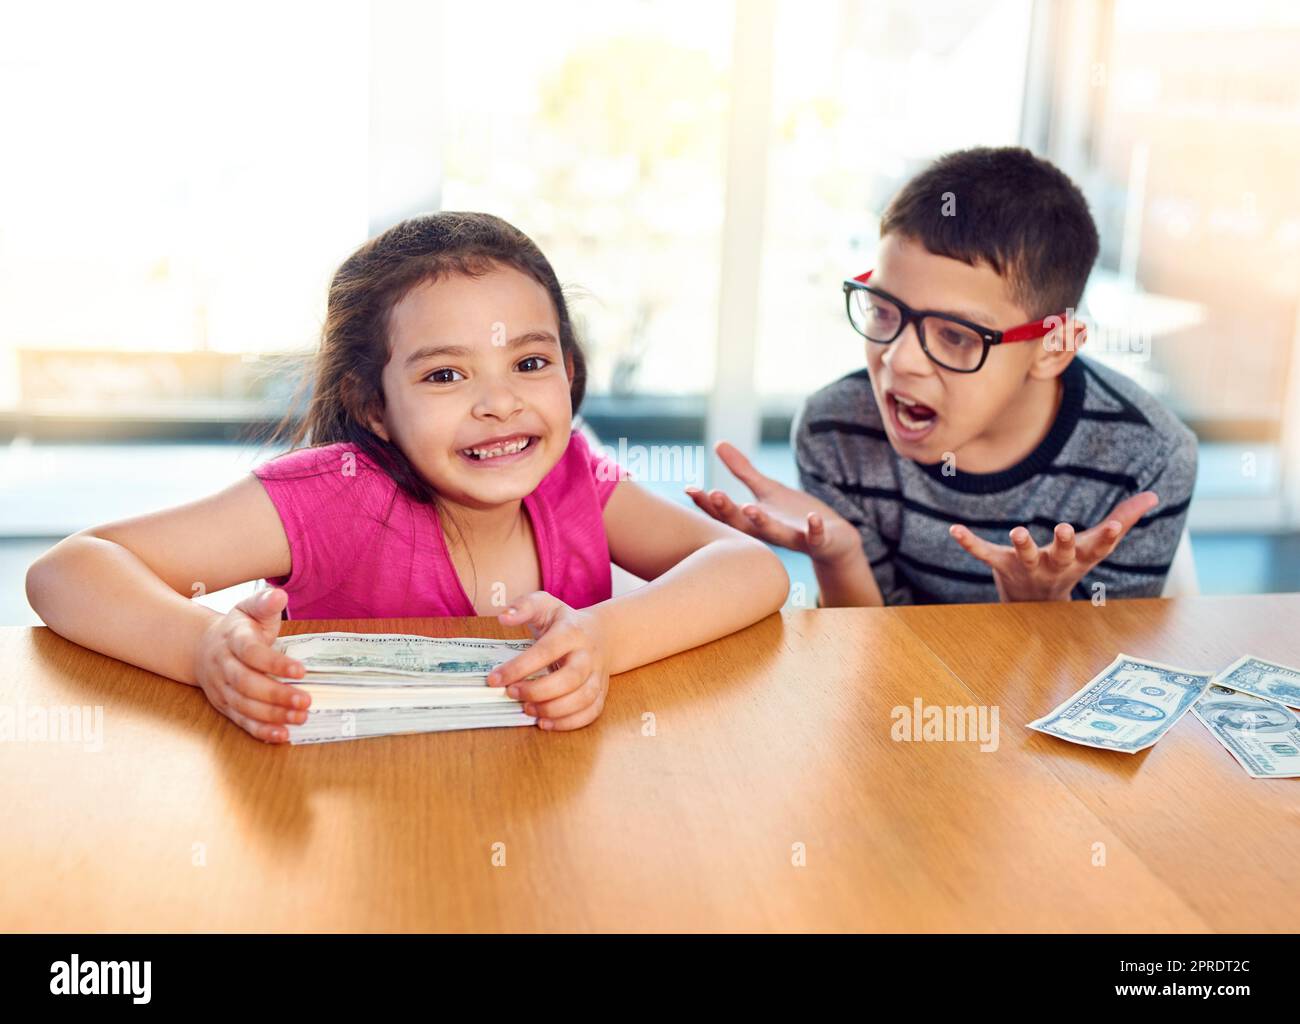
(380, 684)
(1263, 679)
(1261, 734)
(1128, 706)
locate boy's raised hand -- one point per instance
(1026, 572)
(781, 515)
(571, 642)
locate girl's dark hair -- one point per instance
(355, 344)
(1010, 209)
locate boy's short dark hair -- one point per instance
(1005, 207)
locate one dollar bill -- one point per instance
(1127, 707)
(1262, 678)
(1262, 735)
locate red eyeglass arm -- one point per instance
(1025, 332)
(1033, 330)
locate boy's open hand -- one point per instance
(1026, 572)
(782, 515)
(573, 693)
(234, 663)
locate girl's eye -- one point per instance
(442, 376)
(540, 361)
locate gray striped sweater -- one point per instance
(1109, 441)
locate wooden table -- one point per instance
(751, 784)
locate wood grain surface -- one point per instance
(750, 784)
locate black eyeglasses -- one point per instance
(949, 341)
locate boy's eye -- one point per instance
(443, 376)
(533, 363)
(955, 337)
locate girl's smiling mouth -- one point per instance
(500, 451)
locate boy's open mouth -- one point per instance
(912, 419)
(501, 450)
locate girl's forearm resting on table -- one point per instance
(100, 595)
(724, 586)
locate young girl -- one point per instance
(443, 478)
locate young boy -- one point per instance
(973, 423)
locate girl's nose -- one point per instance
(497, 399)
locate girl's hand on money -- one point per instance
(572, 643)
(233, 662)
(1026, 572)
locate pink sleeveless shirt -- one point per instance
(361, 548)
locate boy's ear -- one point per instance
(1057, 349)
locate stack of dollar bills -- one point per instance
(379, 684)
(1133, 702)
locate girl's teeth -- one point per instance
(509, 448)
